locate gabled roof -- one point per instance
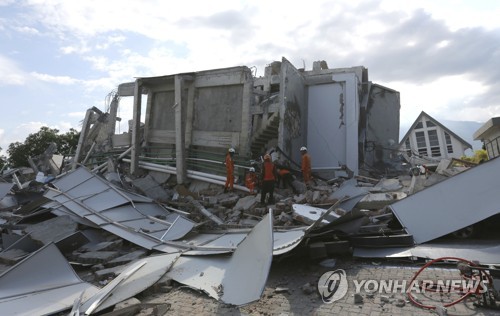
(419, 118)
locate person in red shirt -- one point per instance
(268, 179)
(306, 166)
(251, 180)
(229, 162)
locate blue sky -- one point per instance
(59, 58)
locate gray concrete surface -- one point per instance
(300, 299)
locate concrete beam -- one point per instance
(179, 131)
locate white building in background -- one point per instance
(429, 138)
(489, 134)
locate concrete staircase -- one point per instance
(267, 132)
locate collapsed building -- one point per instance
(202, 238)
(191, 119)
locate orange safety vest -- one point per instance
(269, 171)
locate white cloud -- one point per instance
(76, 114)
(11, 73)
(63, 80)
(27, 30)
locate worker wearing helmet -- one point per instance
(268, 179)
(229, 162)
(251, 180)
(306, 166)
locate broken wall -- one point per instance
(333, 118)
(381, 134)
(221, 108)
(293, 111)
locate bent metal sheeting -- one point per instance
(450, 205)
(133, 217)
(238, 279)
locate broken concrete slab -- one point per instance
(246, 203)
(150, 188)
(375, 201)
(387, 185)
(309, 214)
(350, 192)
(134, 255)
(52, 230)
(95, 257)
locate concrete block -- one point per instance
(316, 196)
(52, 230)
(109, 272)
(150, 187)
(102, 246)
(97, 256)
(246, 203)
(127, 303)
(300, 199)
(229, 201)
(317, 250)
(12, 256)
(197, 186)
(159, 177)
(127, 258)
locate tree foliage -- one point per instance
(479, 156)
(36, 144)
(3, 160)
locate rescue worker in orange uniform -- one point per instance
(306, 166)
(285, 176)
(251, 180)
(229, 162)
(269, 176)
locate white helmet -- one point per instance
(303, 148)
(251, 169)
(231, 150)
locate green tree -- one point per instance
(36, 144)
(480, 155)
(3, 160)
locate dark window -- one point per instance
(430, 124)
(419, 125)
(449, 146)
(421, 144)
(434, 143)
(408, 147)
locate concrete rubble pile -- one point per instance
(131, 234)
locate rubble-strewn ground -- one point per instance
(291, 289)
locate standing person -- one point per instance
(251, 180)
(229, 162)
(306, 166)
(268, 180)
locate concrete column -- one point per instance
(136, 128)
(81, 140)
(246, 117)
(179, 131)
